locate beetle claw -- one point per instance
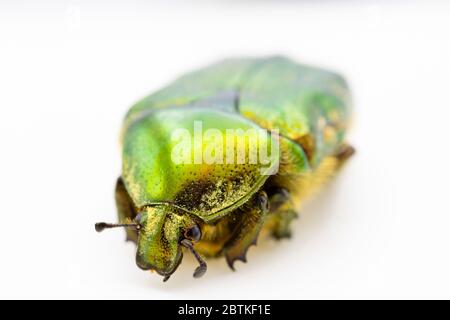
(231, 261)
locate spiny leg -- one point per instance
(125, 209)
(246, 233)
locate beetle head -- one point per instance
(162, 234)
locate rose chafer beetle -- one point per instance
(218, 208)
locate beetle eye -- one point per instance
(193, 233)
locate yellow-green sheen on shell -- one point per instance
(205, 190)
(308, 106)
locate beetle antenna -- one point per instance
(201, 269)
(100, 226)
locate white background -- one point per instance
(69, 70)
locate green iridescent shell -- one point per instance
(205, 190)
(309, 107)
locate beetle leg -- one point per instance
(345, 152)
(282, 212)
(281, 224)
(125, 209)
(246, 232)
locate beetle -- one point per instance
(218, 208)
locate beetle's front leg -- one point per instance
(251, 219)
(125, 209)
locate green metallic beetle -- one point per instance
(218, 208)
